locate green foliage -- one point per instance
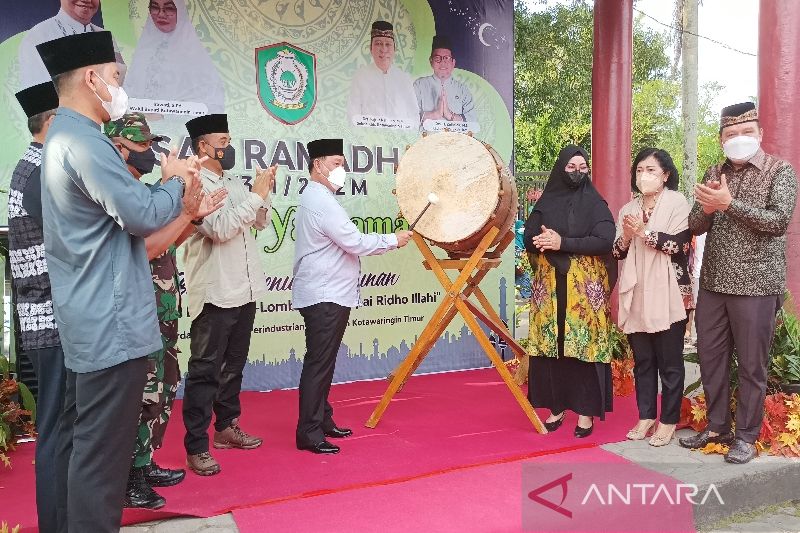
(15, 419)
(785, 352)
(620, 349)
(552, 82)
(553, 89)
(27, 400)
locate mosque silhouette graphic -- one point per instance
(451, 352)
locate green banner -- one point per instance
(287, 72)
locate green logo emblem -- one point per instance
(287, 82)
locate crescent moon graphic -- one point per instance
(480, 33)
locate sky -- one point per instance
(732, 22)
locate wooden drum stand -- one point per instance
(456, 301)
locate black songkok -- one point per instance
(68, 53)
(38, 98)
(440, 41)
(325, 147)
(205, 124)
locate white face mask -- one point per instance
(741, 148)
(337, 177)
(648, 183)
(118, 105)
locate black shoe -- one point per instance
(703, 438)
(140, 495)
(338, 433)
(555, 424)
(323, 447)
(740, 452)
(583, 432)
(162, 477)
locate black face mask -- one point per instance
(576, 178)
(143, 162)
(226, 156)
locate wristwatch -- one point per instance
(197, 221)
(180, 180)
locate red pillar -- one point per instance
(779, 101)
(612, 99)
(612, 95)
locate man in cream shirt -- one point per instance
(224, 278)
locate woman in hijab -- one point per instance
(169, 57)
(569, 236)
(653, 238)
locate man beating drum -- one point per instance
(325, 287)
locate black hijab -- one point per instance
(570, 209)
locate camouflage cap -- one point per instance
(132, 126)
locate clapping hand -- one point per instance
(632, 226)
(714, 195)
(547, 240)
(188, 169)
(265, 181)
(211, 202)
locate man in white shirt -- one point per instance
(380, 90)
(224, 278)
(75, 16)
(326, 272)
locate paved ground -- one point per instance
(217, 524)
(765, 481)
(783, 518)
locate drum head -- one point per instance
(462, 173)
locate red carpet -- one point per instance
(474, 499)
(437, 423)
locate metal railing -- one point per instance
(529, 181)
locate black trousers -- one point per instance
(51, 497)
(220, 344)
(101, 414)
(325, 325)
(746, 323)
(654, 355)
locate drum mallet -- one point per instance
(432, 199)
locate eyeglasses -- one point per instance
(439, 59)
(168, 9)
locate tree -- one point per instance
(553, 93)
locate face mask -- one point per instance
(648, 183)
(741, 148)
(143, 162)
(337, 177)
(226, 156)
(118, 105)
(575, 178)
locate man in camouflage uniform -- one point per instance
(131, 135)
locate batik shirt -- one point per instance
(745, 249)
(26, 250)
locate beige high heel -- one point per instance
(640, 432)
(662, 440)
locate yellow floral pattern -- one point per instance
(588, 322)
